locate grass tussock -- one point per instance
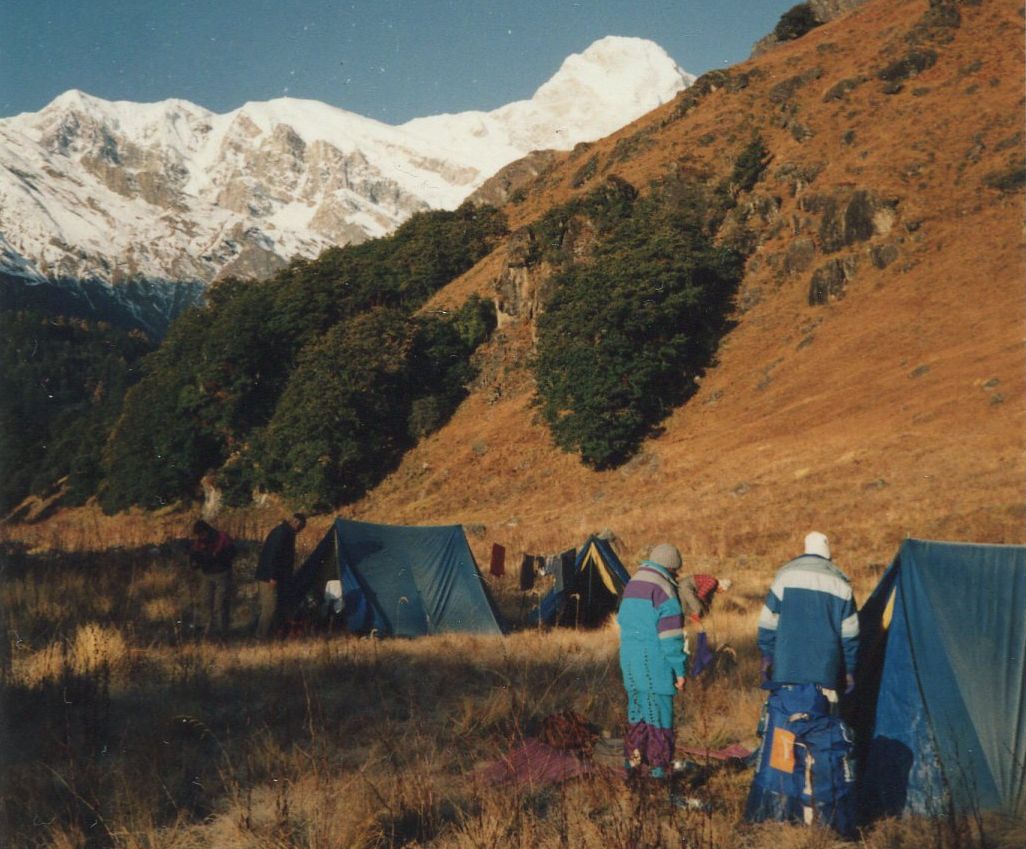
(123, 726)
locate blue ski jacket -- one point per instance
(652, 646)
(808, 627)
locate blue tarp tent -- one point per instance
(942, 682)
(590, 592)
(401, 581)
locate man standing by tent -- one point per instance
(808, 637)
(653, 660)
(274, 570)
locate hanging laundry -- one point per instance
(527, 573)
(498, 564)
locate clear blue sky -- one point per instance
(386, 59)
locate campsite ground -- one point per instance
(124, 727)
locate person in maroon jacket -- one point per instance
(213, 552)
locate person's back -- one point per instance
(808, 637)
(277, 554)
(808, 628)
(650, 631)
(653, 661)
(274, 571)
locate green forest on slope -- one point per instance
(314, 383)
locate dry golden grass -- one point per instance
(128, 732)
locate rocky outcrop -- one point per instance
(848, 217)
(511, 183)
(822, 11)
(517, 286)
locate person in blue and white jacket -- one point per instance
(653, 660)
(809, 637)
(808, 627)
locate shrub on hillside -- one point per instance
(62, 382)
(221, 376)
(750, 165)
(625, 334)
(342, 416)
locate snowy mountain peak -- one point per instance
(114, 191)
(633, 63)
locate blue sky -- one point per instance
(386, 59)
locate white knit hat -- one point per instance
(817, 543)
(666, 556)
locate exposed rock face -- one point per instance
(515, 177)
(516, 287)
(851, 218)
(525, 282)
(830, 280)
(823, 10)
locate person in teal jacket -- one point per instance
(653, 660)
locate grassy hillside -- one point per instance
(893, 409)
(889, 406)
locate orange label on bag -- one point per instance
(782, 752)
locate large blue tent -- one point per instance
(942, 682)
(400, 580)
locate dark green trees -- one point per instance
(311, 383)
(61, 387)
(627, 330)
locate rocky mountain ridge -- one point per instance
(95, 193)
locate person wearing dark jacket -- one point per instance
(274, 570)
(213, 552)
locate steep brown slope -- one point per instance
(893, 407)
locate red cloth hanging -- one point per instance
(498, 564)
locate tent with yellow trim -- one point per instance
(591, 592)
(941, 683)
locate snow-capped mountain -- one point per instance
(115, 192)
